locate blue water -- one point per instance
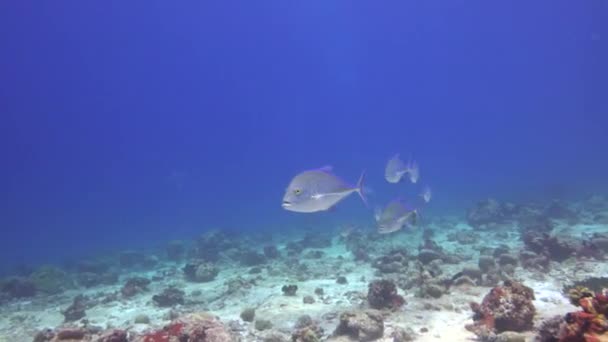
(128, 124)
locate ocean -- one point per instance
(126, 125)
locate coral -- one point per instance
(590, 324)
(76, 310)
(382, 294)
(18, 287)
(590, 285)
(134, 286)
(248, 314)
(170, 297)
(289, 290)
(200, 271)
(505, 308)
(361, 325)
(197, 327)
(486, 263)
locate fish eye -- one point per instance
(297, 191)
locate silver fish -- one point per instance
(394, 216)
(426, 194)
(318, 190)
(396, 169)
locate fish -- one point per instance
(319, 190)
(426, 194)
(394, 217)
(396, 169)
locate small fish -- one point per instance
(394, 216)
(318, 190)
(396, 169)
(426, 194)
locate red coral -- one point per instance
(589, 325)
(172, 330)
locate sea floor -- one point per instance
(316, 263)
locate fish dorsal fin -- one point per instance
(326, 168)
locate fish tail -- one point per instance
(360, 185)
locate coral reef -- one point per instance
(307, 330)
(505, 308)
(382, 294)
(248, 314)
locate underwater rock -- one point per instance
(200, 271)
(427, 255)
(507, 259)
(271, 252)
(549, 329)
(382, 294)
(50, 279)
(341, 280)
(196, 327)
(170, 297)
(248, 314)
(18, 287)
(394, 262)
(532, 261)
(134, 286)
(141, 319)
(432, 291)
(262, 324)
(463, 237)
(361, 326)
(506, 308)
(76, 310)
(551, 246)
(308, 300)
(289, 290)
(403, 335)
(175, 250)
(306, 330)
